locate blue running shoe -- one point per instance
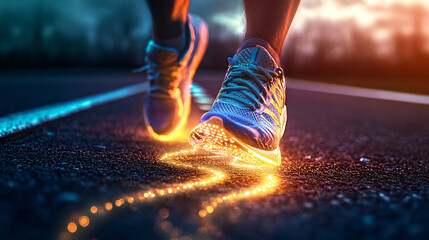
(248, 117)
(170, 75)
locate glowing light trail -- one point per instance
(268, 185)
(214, 177)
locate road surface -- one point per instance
(353, 168)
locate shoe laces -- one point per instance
(163, 78)
(252, 81)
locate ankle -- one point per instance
(178, 42)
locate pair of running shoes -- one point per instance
(248, 116)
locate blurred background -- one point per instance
(379, 44)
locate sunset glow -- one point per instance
(380, 17)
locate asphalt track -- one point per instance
(353, 168)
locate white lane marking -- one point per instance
(16, 122)
(357, 91)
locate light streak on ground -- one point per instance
(357, 91)
(16, 122)
(214, 175)
(268, 185)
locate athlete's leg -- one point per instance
(173, 54)
(168, 17)
(269, 20)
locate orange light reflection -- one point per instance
(214, 176)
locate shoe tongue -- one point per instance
(160, 54)
(255, 55)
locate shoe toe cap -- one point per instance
(247, 132)
(162, 115)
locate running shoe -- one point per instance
(248, 117)
(170, 75)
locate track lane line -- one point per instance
(330, 88)
(357, 91)
(16, 122)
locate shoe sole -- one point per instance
(213, 137)
(196, 60)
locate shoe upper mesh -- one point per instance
(262, 122)
(241, 115)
